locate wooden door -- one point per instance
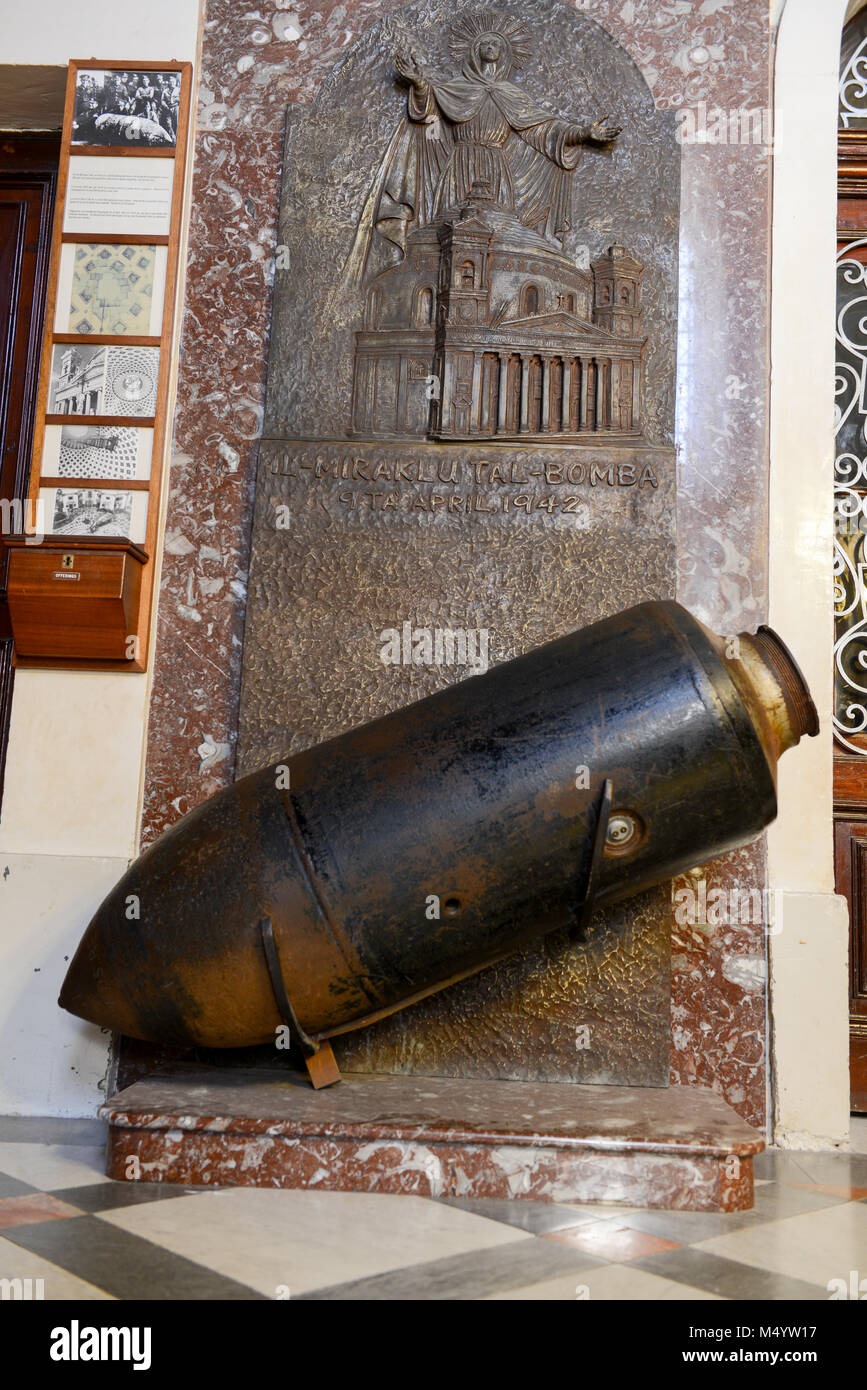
(850, 869)
(28, 175)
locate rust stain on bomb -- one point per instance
(469, 796)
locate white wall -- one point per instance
(809, 988)
(53, 31)
(76, 749)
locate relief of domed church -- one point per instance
(484, 328)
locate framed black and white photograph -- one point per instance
(90, 379)
(131, 381)
(126, 108)
(77, 379)
(94, 511)
(110, 289)
(97, 451)
(111, 194)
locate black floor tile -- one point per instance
(473, 1275)
(834, 1169)
(14, 1187)
(122, 1264)
(536, 1217)
(50, 1129)
(728, 1278)
(777, 1200)
(779, 1165)
(108, 1195)
(773, 1202)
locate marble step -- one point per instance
(676, 1147)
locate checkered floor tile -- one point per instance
(76, 1235)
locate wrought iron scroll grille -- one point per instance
(853, 90)
(850, 500)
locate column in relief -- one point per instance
(566, 396)
(502, 392)
(476, 398)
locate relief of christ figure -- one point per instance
(480, 129)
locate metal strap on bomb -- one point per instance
(603, 815)
(318, 1057)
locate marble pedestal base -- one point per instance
(680, 1147)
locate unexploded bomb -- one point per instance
(305, 904)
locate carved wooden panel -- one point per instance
(850, 854)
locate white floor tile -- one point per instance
(52, 1166)
(307, 1240)
(817, 1247)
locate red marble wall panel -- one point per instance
(256, 60)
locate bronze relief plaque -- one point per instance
(468, 446)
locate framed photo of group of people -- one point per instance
(101, 415)
(126, 106)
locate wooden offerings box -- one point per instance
(75, 597)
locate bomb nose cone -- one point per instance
(174, 952)
(120, 980)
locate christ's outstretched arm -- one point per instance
(409, 68)
(421, 102)
(600, 132)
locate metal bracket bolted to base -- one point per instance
(318, 1057)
